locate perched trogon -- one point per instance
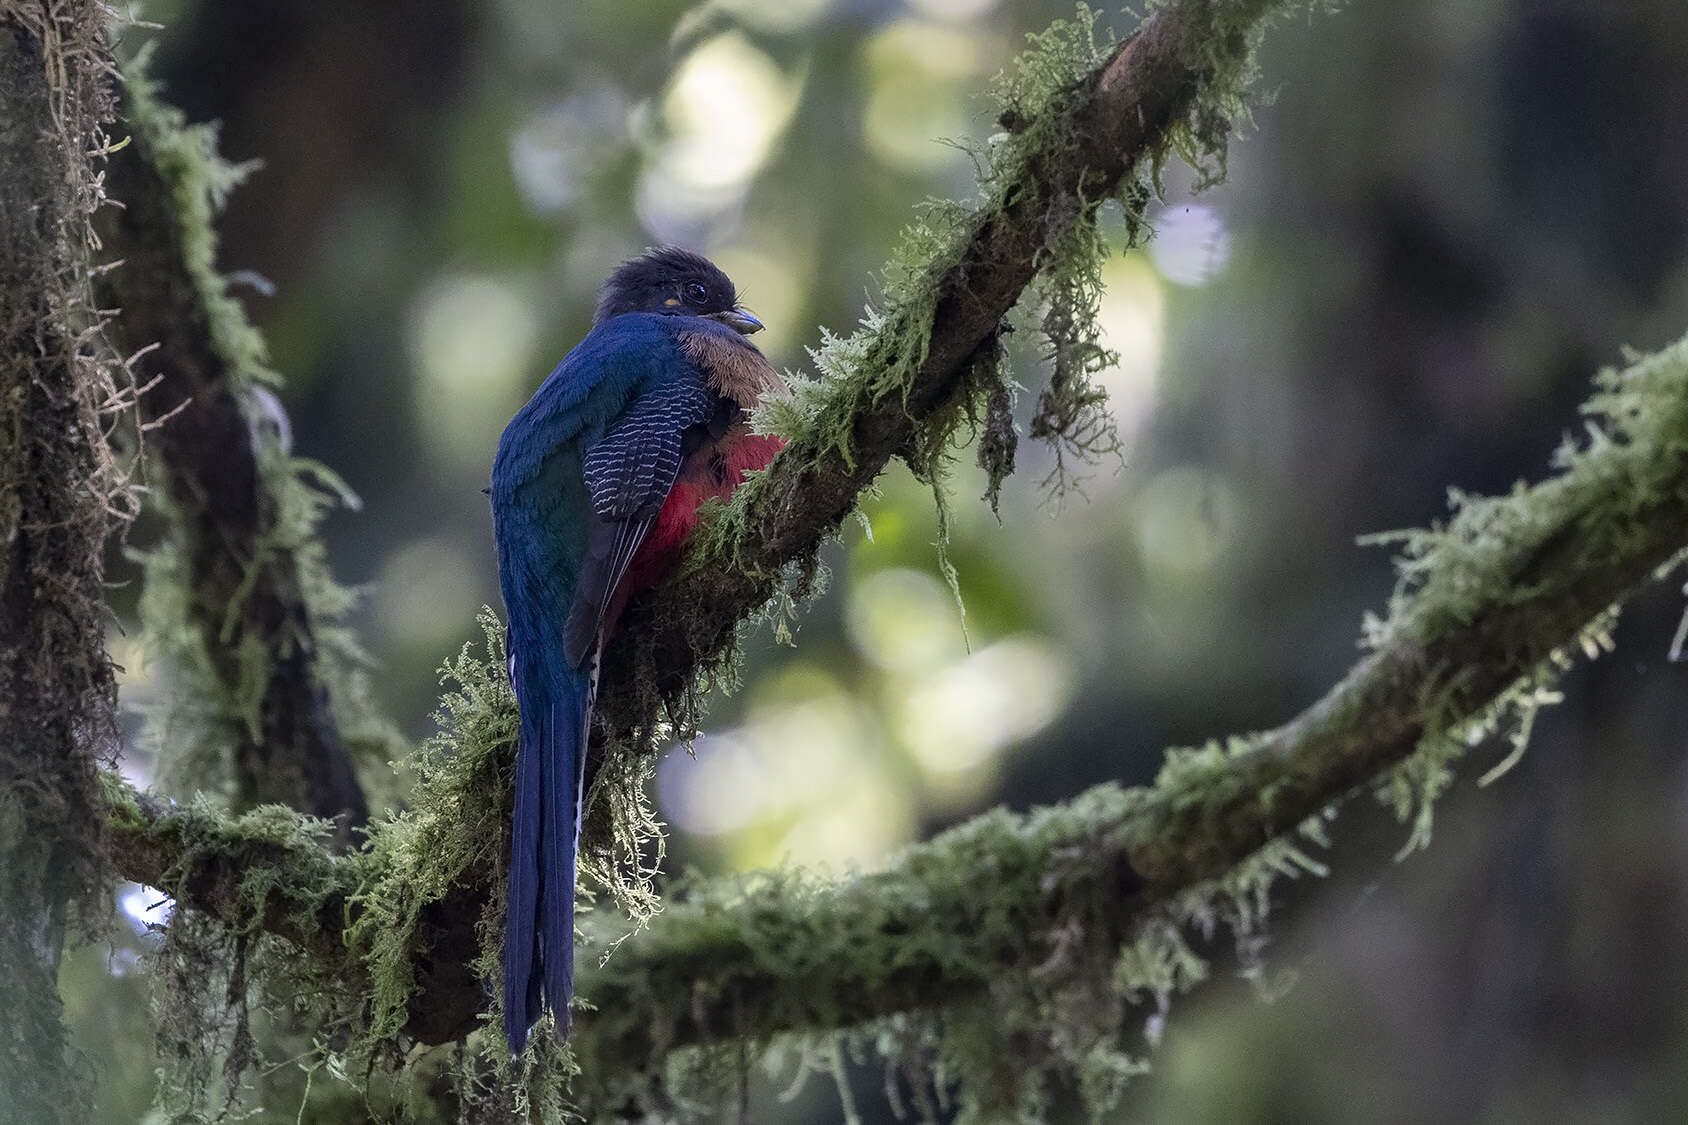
(596, 482)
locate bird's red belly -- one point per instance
(712, 472)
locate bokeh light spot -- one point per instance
(425, 591)
(145, 907)
(779, 17)
(958, 11)
(799, 781)
(1132, 317)
(718, 788)
(472, 341)
(903, 619)
(917, 75)
(1186, 520)
(1191, 244)
(554, 153)
(727, 105)
(857, 829)
(723, 112)
(960, 717)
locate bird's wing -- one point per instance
(629, 472)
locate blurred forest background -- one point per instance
(1447, 215)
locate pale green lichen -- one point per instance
(1003, 1056)
(1072, 412)
(1492, 551)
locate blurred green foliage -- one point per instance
(1449, 214)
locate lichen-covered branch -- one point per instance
(60, 495)
(1490, 608)
(240, 572)
(267, 869)
(1173, 85)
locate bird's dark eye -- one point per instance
(695, 293)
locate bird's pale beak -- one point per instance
(738, 320)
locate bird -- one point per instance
(595, 484)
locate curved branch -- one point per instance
(1488, 603)
(1496, 602)
(1496, 598)
(1124, 114)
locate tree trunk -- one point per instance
(57, 487)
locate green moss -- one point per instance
(1515, 548)
(456, 823)
(119, 806)
(1066, 1004)
(1065, 1008)
(1014, 902)
(199, 180)
(215, 979)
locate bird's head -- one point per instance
(673, 281)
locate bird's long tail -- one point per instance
(555, 702)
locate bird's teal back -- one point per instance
(539, 499)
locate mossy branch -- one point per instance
(1171, 86)
(269, 869)
(1081, 124)
(1490, 608)
(243, 578)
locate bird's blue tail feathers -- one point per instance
(554, 699)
